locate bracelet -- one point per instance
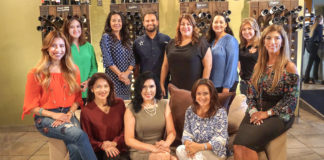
(252, 111)
(205, 146)
(40, 111)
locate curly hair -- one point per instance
(93, 80)
(66, 27)
(124, 35)
(211, 34)
(214, 101)
(195, 33)
(137, 100)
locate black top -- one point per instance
(247, 60)
(149, 52)
(318, 34)
(185, 62)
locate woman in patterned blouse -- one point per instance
(272, 95)
(118, 58)
(205, 133)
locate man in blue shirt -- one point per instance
(149, 48)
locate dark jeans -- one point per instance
(313, 57)
(76, 141)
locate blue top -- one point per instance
(211, 130)
(225, 58)
(149, 52)
(114, 53)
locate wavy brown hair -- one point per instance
(282, 59)
(214, 101)
(111, 96)
(255, 27)
(195, 30)
(68, 68)
(66, 27)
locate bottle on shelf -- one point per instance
(264, 12)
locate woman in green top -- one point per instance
(82, 51)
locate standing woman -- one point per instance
(225, 55)
(205, 133)
(82, 51)
(118, 58)
(148, 121)
(103, 119)
(316, 38)
(53, 94)
(248, 53)
(272, 96)
(187, 56)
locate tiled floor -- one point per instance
(305, 141)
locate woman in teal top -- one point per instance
(82, 51)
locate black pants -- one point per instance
(313, 57)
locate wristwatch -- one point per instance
(269, 113)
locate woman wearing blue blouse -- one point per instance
(118, 58)
(205, 133)
(225, 52)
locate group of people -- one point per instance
(66, 78)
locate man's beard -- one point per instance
(151, 30)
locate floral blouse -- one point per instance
(211, 130)
(287, 89)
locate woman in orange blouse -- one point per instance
(53, 94)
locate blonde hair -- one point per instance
(255, 27)
(281, 62)
(68, 68)
(195, 32)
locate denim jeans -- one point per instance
(244, 87)
(77, 141)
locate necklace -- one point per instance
(150, 109)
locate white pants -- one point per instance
(201, 155)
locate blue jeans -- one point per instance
(244, 87)
(77, 141)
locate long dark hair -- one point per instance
(92, 81)
(214, 102)
(66, 27)
(138, 85)
(124, 35)
(211, 34)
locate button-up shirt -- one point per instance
(149, 52)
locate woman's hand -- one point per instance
(84, 85)
(163, 146)
(60, 118)
(192, 148)
(111, 151)
(107, 144)
(123, 76)
(258, 117)
(163, 90)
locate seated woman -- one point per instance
(53, 94)
(147, 119)
(205, 129)
(103, 119)
(272, 95)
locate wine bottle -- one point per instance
(264, 12)
(273, 10)
(227, 13)
(202, 15)
(297, 27)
